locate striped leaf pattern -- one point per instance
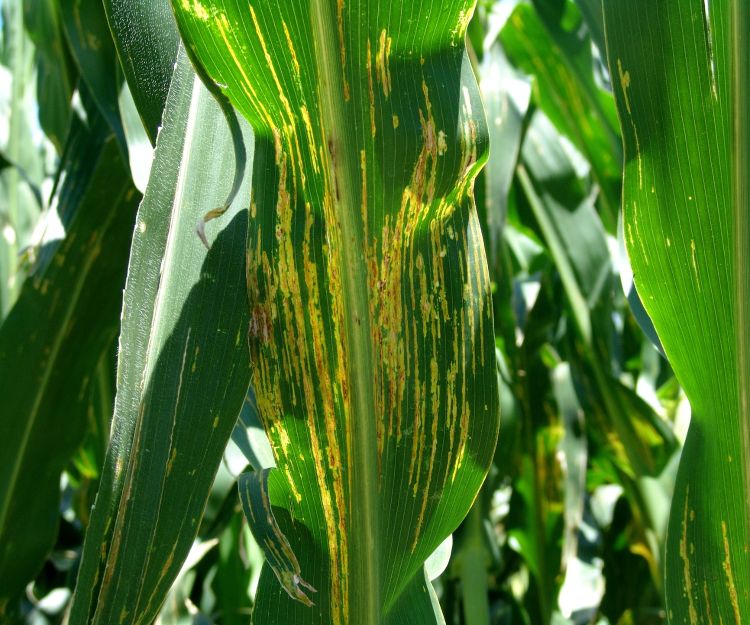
(370, 331)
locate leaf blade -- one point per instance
(182, 354)
(349, 152)
(679, 101)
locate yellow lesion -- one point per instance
(371, 90)
(292, 486)
(195, 8)
(305, 114)
(464, 17)
(727, 566)
(624, 77)
(269, 61)
(170, 462)
(707, 598)
(685, 556)
(624, 85)
(342, 47)
(435, 407)
(292, 51)
(631, 238)
(222, 24)
(382, 62)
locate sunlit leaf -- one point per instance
(371, 325)
(681, 72)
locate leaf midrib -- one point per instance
(363, 547)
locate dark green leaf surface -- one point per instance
(92, 47)
(183, 368)
(146, 39)
(576, 240)
(681, 73)
(371, 328)
(65, 316)
(56, 71)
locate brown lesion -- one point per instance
(260, 327)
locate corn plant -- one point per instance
(274, 274)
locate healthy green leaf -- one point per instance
(146, 40)
(92, 47)
(371, 329)
(681, 72)
(183, 369)
(559, 57)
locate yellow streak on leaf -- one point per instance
(247, 86)
(342, 48)
(371, 90)
(293, 52)
(272, 69)
(382, 58)
(727, 566)
(692, 613)
(695, 264)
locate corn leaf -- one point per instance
(183, 368)
(371, 326)
(556, 50)
(146, 40)
(681, 72)
(65, 317)
(91, 45)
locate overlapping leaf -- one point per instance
(183, 369)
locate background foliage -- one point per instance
(569, 526)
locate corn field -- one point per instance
(375, 312)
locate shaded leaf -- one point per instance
(65, 317)
(182, 371)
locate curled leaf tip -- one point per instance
(294, 585)
(200, 229)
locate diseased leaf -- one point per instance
(371, 330)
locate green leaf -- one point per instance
(146, 39)
(183, 369)
(371, 327)
(576, 240)
(66, 315)
(681, 73)
(17, 208)
(560, 59)
(91, 44)
(56, 72)
(506, 99)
